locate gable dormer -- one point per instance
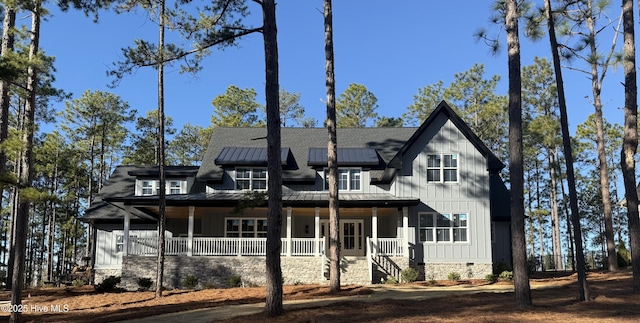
(178, 179)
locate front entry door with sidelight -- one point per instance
(351, 236)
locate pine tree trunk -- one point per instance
(273, 305)
(161, 156)
(555, 218)
(26, 175)
(516, 169)
(596, 88)
(566, 141)
(5, 48)
(630, 142)
(332, 152)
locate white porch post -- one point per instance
(125, 235)
(289, 244)
(405, 231)
(192, 212)
(374, 229)
(317, 230)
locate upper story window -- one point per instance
(148, 187)
(442, 168)
(447, 227)
(251, 178)
(349, 179)
(175, 187)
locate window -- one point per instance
(148, 187)
(447, 227)
(246, 228)
(251, 178)
(442, 168)
(120, 242)
(175, 187)
(349, 179)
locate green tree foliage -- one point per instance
(474, 98)
(144, 144)
(96, 123)
(188, 146)
(542, 138)
(424, 102)
(218, 24)
(389, 122)
(356, 106)
(291, 109)
(236, 108)
(585, 147)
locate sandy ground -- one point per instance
(554, 298)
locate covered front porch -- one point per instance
(305, 233)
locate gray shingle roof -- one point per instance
(122, 182)
(386, 141)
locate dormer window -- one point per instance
(251, 179)
(175, 187)
(150, 187)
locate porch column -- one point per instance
(192, 212)
(405, 231)
(125, 236)
(317, 230)
(374, 229)
(289, 211)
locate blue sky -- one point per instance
(392, 49)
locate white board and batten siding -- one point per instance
(107, 255)
(469, 195)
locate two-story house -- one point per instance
(429, 197)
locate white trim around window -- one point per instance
(349, 179)
(444, 227)
(443, 168)
(251, 178)
(150, 187)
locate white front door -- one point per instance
(351, 236)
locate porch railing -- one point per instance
(209, 246)
(391, 247)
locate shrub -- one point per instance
(624, 257)
(391, 280)
(190, 282)
(108, 284)
(409, 275)
(500, 267)
(78, 282)
(144, 283)
(453, 276)
(506, 275)
(234, 281)
(491, 278)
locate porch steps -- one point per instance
(354, 270)
(383, 267)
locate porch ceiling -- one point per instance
(299, 199)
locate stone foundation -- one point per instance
(215, 272)
(101, 274)
(441, 271)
